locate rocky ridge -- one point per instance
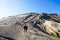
(31, 26)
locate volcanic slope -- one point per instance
(30, 26)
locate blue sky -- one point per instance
(15, 7)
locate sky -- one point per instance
(15, 7)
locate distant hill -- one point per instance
(30, 26)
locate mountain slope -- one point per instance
(30, 26)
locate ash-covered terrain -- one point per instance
(30, 26)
